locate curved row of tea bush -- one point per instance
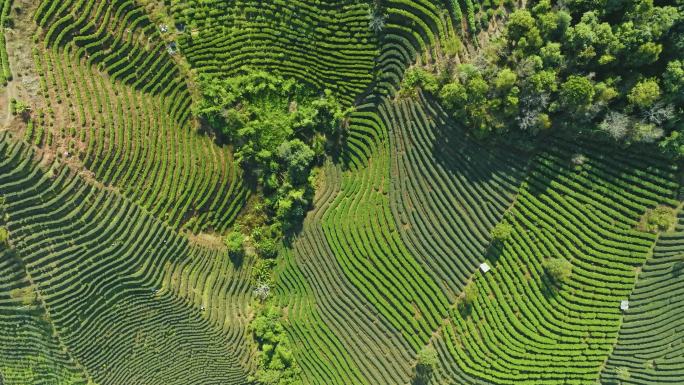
(650, 346)
(319, 351)
(361, 250)
(129, 135)
(116, 36)
(29, 353)
(327, 45)
(526, 327)
(447, 190)
(98, 261)
(219, 289)
(412, 30)
(360, 335)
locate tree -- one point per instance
(577, 92)
(660, 219)
(426, 364)
(453, 95)
(276, 364)
(376, 21)
(297, 157)
(616, 124)
(267, 248)
(522, 31)
(647, 53)
(501, 232)
(505, 80)
(418, 77)
(644, 94)
(559, 269)
(234, 241)
(673, 79)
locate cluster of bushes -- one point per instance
(276, 364)
(279, 129)
(614, 65)
(660, 219)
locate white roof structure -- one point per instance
(624, 305)
(484, 267)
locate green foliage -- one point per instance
(644, 94)
(522, 31)
(622, 373)
(674, 79)
(453, 95)
(416, 77)
(25, 294)
(558, 269)
(267, 248)
(4, 236)
(276, 364)
(273, 122)
(470, 294)
(426, 364)
(262, 271)
(427, 358)
(235, 243)
(470, 12)
(611, 68)
(577, 93)
(297, 157)
(18, 107)
(660, 219)
(456, 11)
(501, 231)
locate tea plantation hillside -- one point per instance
(399, 192)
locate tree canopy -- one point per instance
(616, 66)
(279, 129)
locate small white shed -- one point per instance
(484, 267)
(624, 305)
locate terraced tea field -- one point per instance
(248, 192)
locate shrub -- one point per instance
(235, 243)
(622, 373)
(4, 236)
(470, 294)
(419, 77)
(501, 232)
(558, 269)
(660, 219)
